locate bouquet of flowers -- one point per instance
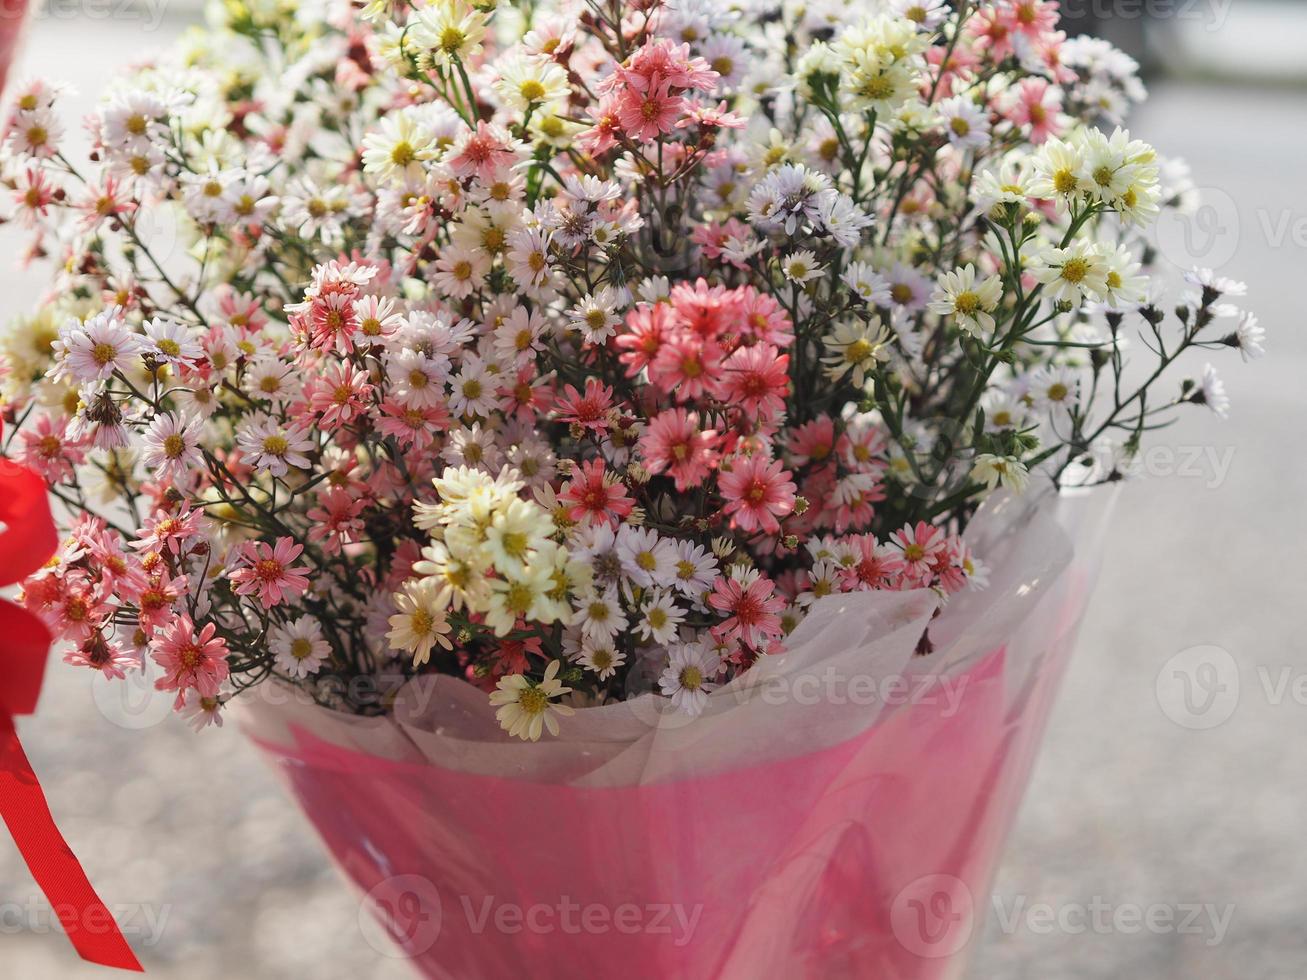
(574, 352)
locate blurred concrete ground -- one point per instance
(1128, 808)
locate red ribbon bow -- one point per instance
(28, 539)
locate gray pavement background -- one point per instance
(1127, 809)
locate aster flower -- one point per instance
(526, 707)
(299, 646)
(689, 677)
(268, 571)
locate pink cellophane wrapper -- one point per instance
(838, 811)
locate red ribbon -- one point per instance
(28, 539)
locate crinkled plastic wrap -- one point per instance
(837, 812)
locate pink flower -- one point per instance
(919, 547)
(593, 496)
(170, 532)
(267, 571)
(757, 380)
(752, 606)
(48, 449)
(158, 597)
(483, 153)
(340, 394)
(1037, 105)
(191, 661)
(411, 426)
(645, 116)
(684, 366)
(647, 329)
(757, 491)
(876, 565)
(673, 443)
(589, 412)
(332, 322)
(812, 442)
(107, 656)
(336, 520)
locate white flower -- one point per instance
(601, 656)
(959, 295)
(517, 532)
(399, 149)
(94, 350)
(856, 347)
(1054, 389)
(420, 622)
(801, 266)
(647, 559)
(274, 446)
(1211, 392)
(965, 124)
(526, 708)
(1249, 337)
(600, 614)
(660, 618)
(993, 470)
(596, 316)
(696, 570)
(172, 342)
(872, 288)
(300, 646)
(524, 82)
(269, 377)
(1073, 274)
(688, 677)
(171, 446)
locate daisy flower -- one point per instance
(801, 266)
(1072, 274)
(993, 470)
(268, 571)
(1248, 337)
(1211, 392)
(751, 606)
(648, 560)
(192, 660)
(171, 445)
(526, 707)
(109, 657)
(601, 656)
(972, 302)
(918, 547)
(688, 677)
(299, 646)
(855, 347)
(600, 615)
(595, 496)
(94, 350)
(660, 618)
(274, 446)
(965, 124)
(172, 342)
(757, 491)
(673, 443)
